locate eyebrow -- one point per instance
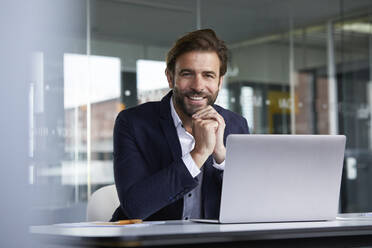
(185, 70)
(204, 72)
(210, 72)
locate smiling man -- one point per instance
(169, 156)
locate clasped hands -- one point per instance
(208, 128)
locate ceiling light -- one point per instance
(358, 27)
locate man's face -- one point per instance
(196, 81)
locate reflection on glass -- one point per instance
(247, 100)
(223, 98)
(94, 81)
(152, 83)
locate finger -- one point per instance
(202, 111)
(212, 115)
(196, 122)
(209, 124)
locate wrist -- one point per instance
(219, 154)
(199, 157)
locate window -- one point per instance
(295, 67)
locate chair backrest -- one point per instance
(102, 204)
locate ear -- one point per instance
(169, 78)
(220, 83)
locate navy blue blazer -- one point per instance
(150, 176)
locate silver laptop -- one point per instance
(280, 178)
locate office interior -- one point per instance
(295, 67)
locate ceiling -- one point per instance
(160, 22)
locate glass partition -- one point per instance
(295, 67)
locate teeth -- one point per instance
(196, 98)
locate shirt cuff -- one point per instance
(191, 165)
(220, 166)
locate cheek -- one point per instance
(181, 83)
(213, 87)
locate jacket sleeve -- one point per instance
(141, 190)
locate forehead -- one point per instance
(198, 60)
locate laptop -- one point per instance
(281, 178)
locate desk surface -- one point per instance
(186, 232)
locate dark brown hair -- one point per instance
(200, 40)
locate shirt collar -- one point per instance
(176, 119)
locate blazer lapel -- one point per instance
(167, 125)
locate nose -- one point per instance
(198, 83)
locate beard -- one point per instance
(179, 98)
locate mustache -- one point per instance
(194, 93)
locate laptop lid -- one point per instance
(275, 178)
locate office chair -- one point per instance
(102, 204)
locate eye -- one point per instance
(186, 73)
(209, 75)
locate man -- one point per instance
(169, 155)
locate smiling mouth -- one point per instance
(195, 98)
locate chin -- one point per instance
(193, 110)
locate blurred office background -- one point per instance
(295, 67)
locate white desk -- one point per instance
(327, 233)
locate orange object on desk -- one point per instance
(126, 222)
(119, 223)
